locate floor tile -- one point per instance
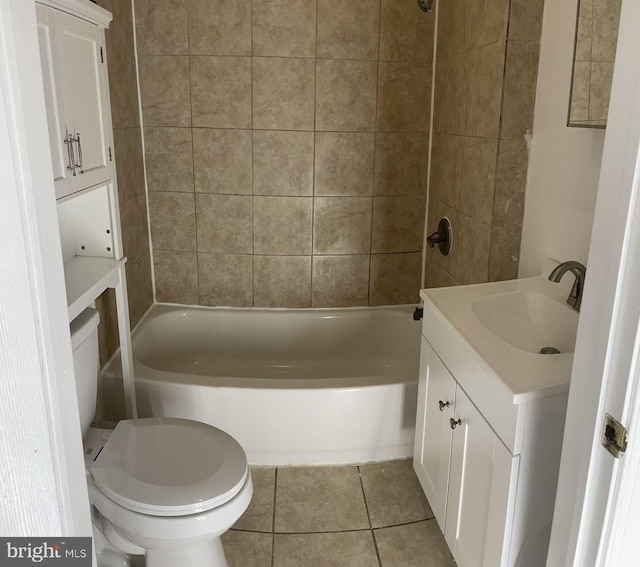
(352, 549)
(319, 499)
(393, 494)
(247, 549)
(413, 545)
(259, 515)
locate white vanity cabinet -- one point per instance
(463, 467)
(76, 91)
(74, 70)
(486, 459)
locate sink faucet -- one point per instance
(580, 272)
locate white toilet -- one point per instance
(164, 488)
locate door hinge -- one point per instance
(101, 55)
(110, 158)
(614, 436)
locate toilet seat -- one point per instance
(169, 467)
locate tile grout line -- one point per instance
(366, 506)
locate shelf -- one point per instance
(86, 277)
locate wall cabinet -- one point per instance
(493, 503)
(75, 82)
(74, 72)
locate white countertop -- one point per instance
(454, 330)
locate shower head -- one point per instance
(425, 5)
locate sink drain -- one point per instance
(549, 350)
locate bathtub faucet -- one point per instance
(579, 272)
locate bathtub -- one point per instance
(293, 386)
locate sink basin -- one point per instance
(528, 320)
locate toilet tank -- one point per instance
(84, 341)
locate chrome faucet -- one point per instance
(580, 272)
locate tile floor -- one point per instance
(372, 515)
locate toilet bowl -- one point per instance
(165, 488)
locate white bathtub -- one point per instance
(293, 386)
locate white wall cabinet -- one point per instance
(491, 503)
(76, 88)
(74, 70)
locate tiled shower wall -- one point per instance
(486, 72)
(130, 172)
(286, 147)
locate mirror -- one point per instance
(594, 55)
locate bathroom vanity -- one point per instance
(491, 413)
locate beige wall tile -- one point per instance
(169, 159)
(484, 90)
(584, 33)
(225, 280)
(130, 166)
(284, 28)
(342, 225)
(450, 102)
(122, 65)
(282, 163)
(348, 30)
(344, 163)
(224, 223)
(446, 168)
(600, 90)
(161, 27)
(398, 224)
(173, 221)
(345, 95)
(606, 21)
(221, 92)
(505, 253)
(487, 21)
(282, 225)
(135, 234)
(222, 161)
(340, 281)
(139, 289)
(282, 281)
(176, 276)
(108, 339)
(220, 27)
(479, 178)
(521, 75)
(437, 276)
(525, 19)
(511, 181)
(283, 93)
(404, 94)
(579, 110)
(405, 35)
(401, 164)
(395, 278)
(453, 29)
(474, 243)
(164, 91)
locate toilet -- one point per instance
(161, 487)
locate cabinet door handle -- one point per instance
(443, 405)
(81, 164)
(454, 423)
(72, 158)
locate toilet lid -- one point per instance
(170, 467)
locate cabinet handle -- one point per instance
(81, 164)
(443, 405)
(454, 422)
(72, 158)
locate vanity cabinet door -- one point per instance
(436, 394)
(481, 490)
